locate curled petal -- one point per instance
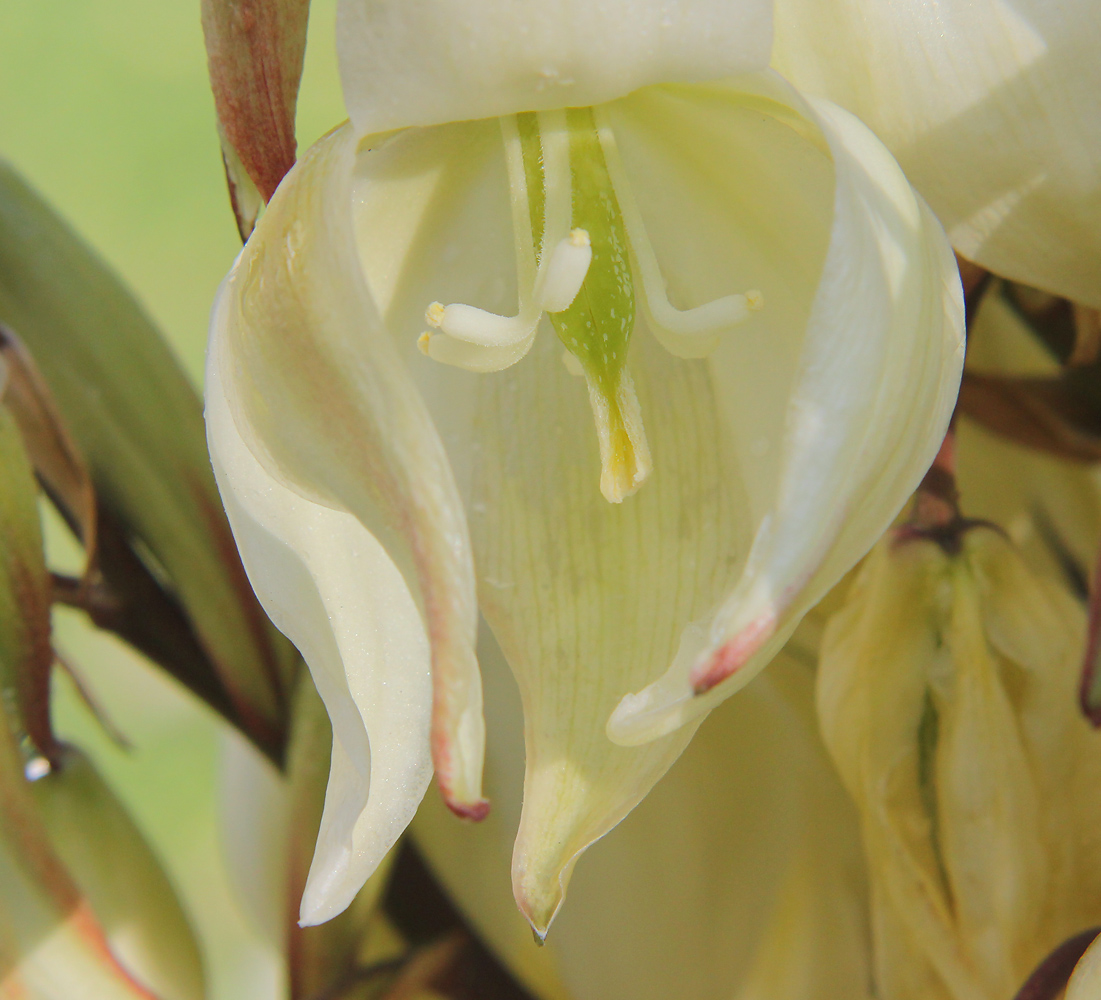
(343, 504)
(329, 585)
(423, 62)
(872, 391)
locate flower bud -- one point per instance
(255, 53)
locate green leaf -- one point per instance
(138, 424)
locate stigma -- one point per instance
(572, 211)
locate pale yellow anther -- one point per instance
(423, 341)
(754, 300)
(580, 238)
(433, 315)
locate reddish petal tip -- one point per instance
(475, 812)
(734, 654)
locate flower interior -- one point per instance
(580, 245)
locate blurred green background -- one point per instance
(106, 110)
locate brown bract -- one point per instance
(255, 50)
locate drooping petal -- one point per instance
(424, 62)
(344, 506)
(329, 585)
(739, 876)
(588, 598)
(869, 390)
(993, 108)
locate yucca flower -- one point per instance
(589, 322)
(946, 695)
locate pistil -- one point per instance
(595, 326)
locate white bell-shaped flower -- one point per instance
(638, 370)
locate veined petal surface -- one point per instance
(829, 403)
(424, 62)
(740, 876)
(993, 108)
(586, 597)
(864, 400)
(346, 514)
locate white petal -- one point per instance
(329, 586)
(993, 108)
(424, 62)
(1086, 981)
(253, 809)
(344, 507)
(739, 876)
(869, 402)
(589, 598)
(564, 576)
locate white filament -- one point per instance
(478, 326)
(698, 323)
(487, 341)
(565, 272)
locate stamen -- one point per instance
(477, 326)
(552, 284)
(472, 357)
(684, 332)
(565, 272)
(573, 264)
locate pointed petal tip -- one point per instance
(538, 908)
(313, 911)
(539, 886)
(732, 655)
